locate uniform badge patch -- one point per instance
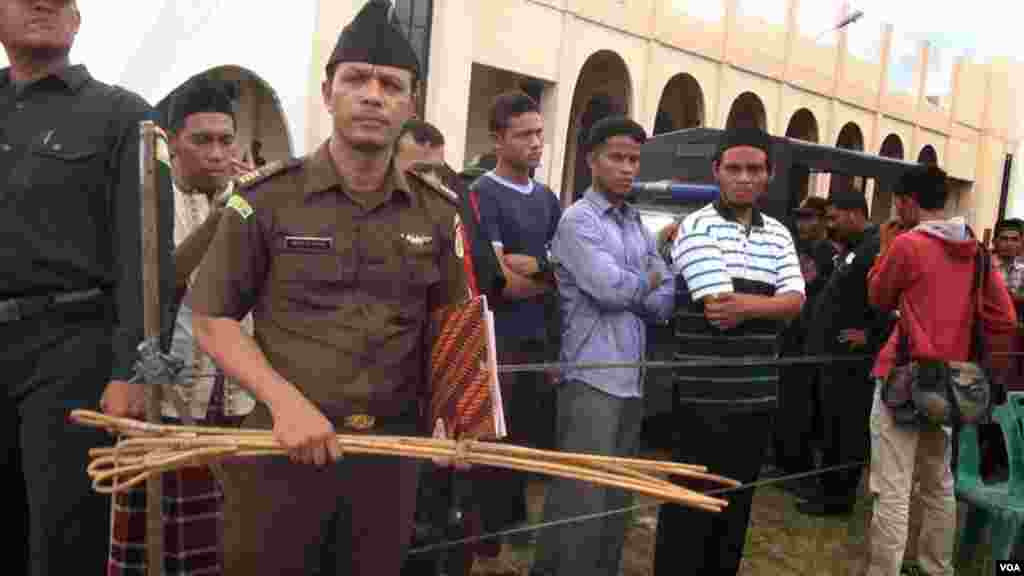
(240, 205)
(460, 249)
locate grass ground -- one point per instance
(780, 541)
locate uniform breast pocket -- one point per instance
(313, 271)
(55, 165)
(421, 264)
(309, 269)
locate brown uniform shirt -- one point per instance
(341, 285)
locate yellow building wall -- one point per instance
(961, 158)
(526, 50)
(633, 16)
(451, 66)
(757, 46)
(904, 130)
(983, 200)
(656, 41)
(860, 82)
(970, 96)
(812, 66)
(933, 117)
(844, 113)
(999, 98)
(794, 99)
(675, 28)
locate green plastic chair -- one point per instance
(999, 505)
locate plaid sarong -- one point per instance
(192, 504)
(192, 515)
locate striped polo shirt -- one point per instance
(716, 254)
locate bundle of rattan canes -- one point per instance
(146, 450)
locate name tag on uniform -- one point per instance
(314, 243)
(417, 240)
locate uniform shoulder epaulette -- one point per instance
(427, 174)
(266, 172)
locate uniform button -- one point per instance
(19, 106)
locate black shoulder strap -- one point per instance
(979, 343)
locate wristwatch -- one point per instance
(543, 264)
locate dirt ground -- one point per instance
(780, 541)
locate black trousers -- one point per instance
(847, 393)
(729, 443)
(529, 402)
(55, 363)
(797, 420)
(17, 499)
(354, 517)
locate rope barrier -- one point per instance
(694, 362)
(628, 510)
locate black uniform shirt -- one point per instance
(843, 303)
(71, 217)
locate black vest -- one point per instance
(733, 387)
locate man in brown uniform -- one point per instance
(342, 261)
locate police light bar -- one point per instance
(674, 192)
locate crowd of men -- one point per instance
(314, 284)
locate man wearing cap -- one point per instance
(343, 262)
(812, 229)
(845, 324)
(71, 312)
(611, 280)
(201, 123)
(738, 280)
(204, 160)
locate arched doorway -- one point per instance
(892, 147)
(802, 126)
(604, 88)
(262, 133)
(747, 111)
(928, 156)
(681, 105)
(851, 138)
(881, 202)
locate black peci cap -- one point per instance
(753, 137)
(373, 38)
(200, 94)
(613, 126)
(849, 200)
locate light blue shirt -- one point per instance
(603, 256)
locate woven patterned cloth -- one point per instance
(463, 370)
(192, 503)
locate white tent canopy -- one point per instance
(151, 47)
